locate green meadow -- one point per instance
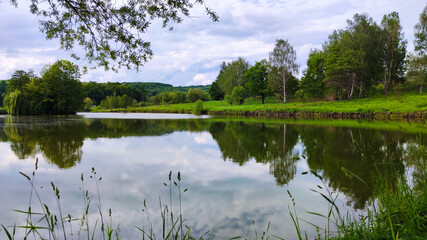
(407, 102)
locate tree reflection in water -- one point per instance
(368, 153)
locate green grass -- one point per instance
(402, 103)
(398, 211)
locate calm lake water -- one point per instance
(236, 170)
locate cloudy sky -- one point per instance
(192, 52)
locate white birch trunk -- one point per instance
(284, 86)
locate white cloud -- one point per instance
(202, 79)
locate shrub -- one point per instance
(238, 94)
(199, 107)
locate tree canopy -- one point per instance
(284, 59)
(109, 31)
(58, 91)
(231, 75)
(257, 77)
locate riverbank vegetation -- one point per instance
(400, 104)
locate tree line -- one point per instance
(353, 62)
(59, 91)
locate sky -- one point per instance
(192, 52)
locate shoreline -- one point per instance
(398, 116)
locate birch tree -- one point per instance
(395, 49)
(283, 58)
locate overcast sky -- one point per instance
(192, 52)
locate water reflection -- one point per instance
(367, 153)
(273, 144)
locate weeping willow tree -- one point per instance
(16, 103)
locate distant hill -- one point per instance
(154, 88)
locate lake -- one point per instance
(238, 171)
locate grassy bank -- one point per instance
(396, 106)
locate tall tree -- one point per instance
(421, 33)
(418, 61)
(109, 31)
(231, 75)
(417, 69)
(312, 82)
(60, 90)
(3, 89)
(215, 91)
(366, 37)
(395, 49)
(257, 79)
(19, 79)
(343, 63)
(283, 58)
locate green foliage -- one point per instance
(312, 83)
(283, 60)
(112, 102)
(198, 108)
(417, 69)
(232, 75)
(16, 103)
(417, 62)
(110, 34)
(58, 91)
(395, 49)
(153, 88)
(3, 90)
(228, 99)
(421, 33)
(257, 77)
(275, 83)
(215, 91)
(87, 104)
(407, 102)
(19, 79)
(358, 58)
(195, 94)
(238, 95)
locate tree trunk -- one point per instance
(284, 85)
(388, 80)
(350, 94)
(360, 90)
(421, 88)
(262, 98)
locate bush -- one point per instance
(199, 107)
(195, 94)
(114, 101)
(229, 99)
(238, 94)
(87, 104)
